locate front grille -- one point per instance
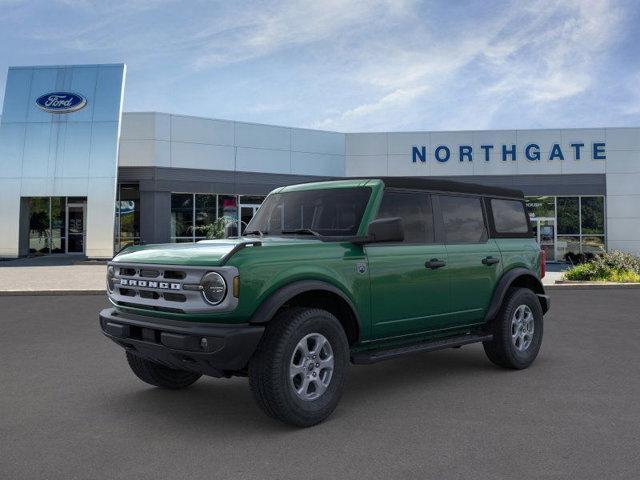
(174, 297)
(147, 273)
(174, 274)
(161, 288)
(149, 294)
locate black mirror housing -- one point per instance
(389, 229)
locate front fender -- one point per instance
(278, 298)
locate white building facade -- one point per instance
(71, 187)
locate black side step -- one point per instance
(374, 356)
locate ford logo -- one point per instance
(61, 102)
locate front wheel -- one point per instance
(517, 330)
(298, 372)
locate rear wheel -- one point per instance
(517, 330)
(298, 372)
(159, 375)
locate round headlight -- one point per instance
(111, 272)
(214, 288)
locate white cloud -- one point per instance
(286, 24)
(348, 64)
(543, 52)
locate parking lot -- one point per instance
(70, 407)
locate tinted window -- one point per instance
(509, 216)
(463, 219)
(330, 212)
(415, 211)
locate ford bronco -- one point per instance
(328, 273)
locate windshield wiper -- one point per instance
(302, 231)
(255, 232)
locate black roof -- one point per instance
(436, 184)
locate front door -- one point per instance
(409, 280)
(75, 227)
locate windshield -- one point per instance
(328, 212)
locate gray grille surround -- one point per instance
(132, 287)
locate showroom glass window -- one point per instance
(182, 217)
(127, 220)
(39, 225)
(204, 214)
(48, 229)
(415, 211)
(580, 222)
(193, 214)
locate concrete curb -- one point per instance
(22, 293)
(590, 286)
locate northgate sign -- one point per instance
(531, 152)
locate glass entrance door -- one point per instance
(546, 234)
(76, 219)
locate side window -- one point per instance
(463, 219)
(415, 211)
(509, 216)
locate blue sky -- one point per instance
(348, 65)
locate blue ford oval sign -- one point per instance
(61, 102)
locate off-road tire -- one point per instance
(159, 375)
(269, 368)
(501, 350)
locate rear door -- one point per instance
(474, 259)
(409, 280)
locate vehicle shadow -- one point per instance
(228, 404)
(416, 370)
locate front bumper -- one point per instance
(211, 349)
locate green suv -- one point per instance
(328, 273)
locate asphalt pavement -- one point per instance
(71, 409)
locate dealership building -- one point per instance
(80, 176)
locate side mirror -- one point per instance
(385, 230)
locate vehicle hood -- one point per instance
(203, 253)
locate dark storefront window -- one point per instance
(58, 225)
(568, 215)
(205, 213)
(39, 225)
(539, 207)
(592, 214)
(54, 222)
(191, 212)
(580, 223)
(182, 217)
(127, 225)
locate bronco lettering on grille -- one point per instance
(145, 283)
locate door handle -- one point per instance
(490, 260)
(435, 263)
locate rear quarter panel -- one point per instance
(519, 252)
